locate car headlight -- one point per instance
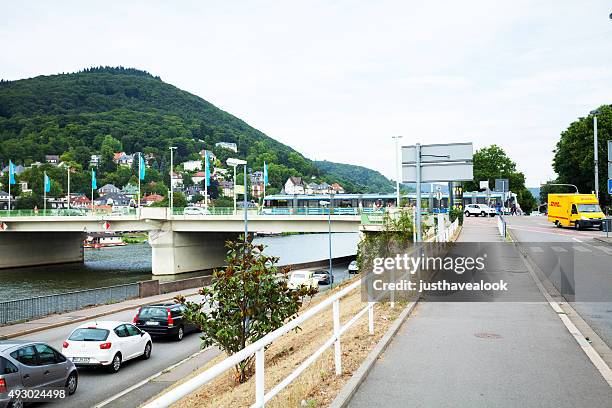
(584, 218)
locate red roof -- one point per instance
(153, 198)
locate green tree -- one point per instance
(246, 300)
(573, 159)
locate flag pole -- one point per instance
(45, 194)
(139, 173)
(68, 186)
(92, 191)
(206, 175)
(9, 183)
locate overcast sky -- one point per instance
(335, 80)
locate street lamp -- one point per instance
(397, 169)
(328, 204)
(595, 155)
(172, 149)
(237, 162)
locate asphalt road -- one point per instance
(578, 266)
(96, 385)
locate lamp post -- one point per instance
(172, 149)
(236, 162)
(328, 205)
(397, 170)
(595, 155)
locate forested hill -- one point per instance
(362, 175)
(74, 114)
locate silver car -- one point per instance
(32, 365)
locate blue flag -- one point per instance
(143, 167)
(94, 182)
(206, 169)
(265, 174)
(12, 173)
(47, 183)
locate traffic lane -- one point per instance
(538, 229)
(95, 385)
(340, 273)
(591, 275)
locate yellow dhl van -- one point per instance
(575, 210)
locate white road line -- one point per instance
(581, 249)
(146, 380)
(536, 249)
(558, 249)
(576, 239)
(587, 348)
(606, 250)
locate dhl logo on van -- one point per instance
(555, 204)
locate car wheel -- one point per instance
(180, 333)
(467, 213)
(147, 351)
(72, 383)
(577, 225)
(115, 365)
(558, 224)
(484, 214)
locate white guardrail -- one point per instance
(258, 348)
(501, 226)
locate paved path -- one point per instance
(484, 354)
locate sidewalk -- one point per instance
(57, 320)
(484, 354)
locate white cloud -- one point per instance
(337, 80)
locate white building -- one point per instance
(192, 165)
(294, 185)
(227, 145)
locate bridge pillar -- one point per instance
(181, 252)
(19, 249)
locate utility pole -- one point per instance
(172, 148)
(595, 151)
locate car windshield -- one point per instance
(89, 334)
(588, 208)
(153, 313)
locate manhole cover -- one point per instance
(487, 336)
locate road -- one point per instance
(578, 266)
(97, 386)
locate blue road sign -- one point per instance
(609, 186)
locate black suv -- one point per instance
(164, 320)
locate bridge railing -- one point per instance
(66, 212)
(258, 349)
(12, 311)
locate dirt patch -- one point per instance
(318, 385)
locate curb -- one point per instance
(604, 240)
(82, 319)
(352, 385)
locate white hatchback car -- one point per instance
(302, 278)
(479, 209)
(107, 344)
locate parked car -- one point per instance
(30, 365)
(353, 268)
(479, 209)
(196, 211)
(302, 278)
(323, 276)
(164, 320)
(107, 344)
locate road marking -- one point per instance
(146, 380)
(536, 249)
(576, 239)
(606, 250)
(582, 249)
(587, 348)
(558, 249)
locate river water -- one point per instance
(132, 263)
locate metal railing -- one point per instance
(258, 349)
(65, 212)
(12, 311)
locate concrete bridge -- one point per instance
(180, 243)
